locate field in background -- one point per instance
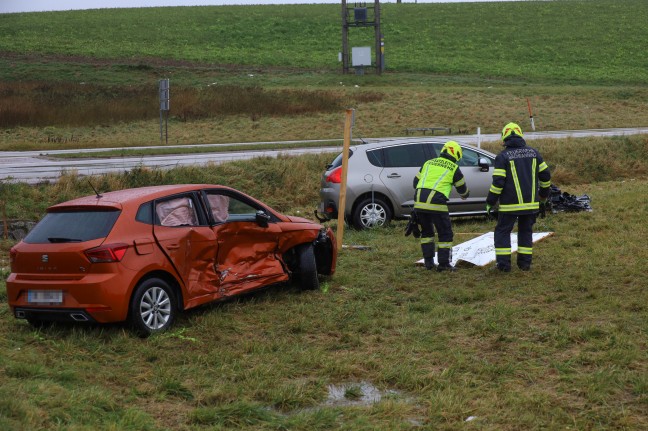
(576, 41)
(461, 66)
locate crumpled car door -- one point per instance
(192, 251)
(191, 248)
(248, 256)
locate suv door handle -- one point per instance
(394, 175)
(172, 246)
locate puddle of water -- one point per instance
(354, 394)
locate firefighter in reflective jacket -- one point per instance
(433, 185)
(521, 181)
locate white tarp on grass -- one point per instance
(480, 251)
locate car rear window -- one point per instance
(72, 226)
(338, 161)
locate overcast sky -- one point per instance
(48, 5)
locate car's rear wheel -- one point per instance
(307, 267)
(153, 307)
(371, 212)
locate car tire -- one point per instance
(371, 212)
(153, 307)
(307, 267)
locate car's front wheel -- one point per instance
(371, 212)
(307, 267)
(153, 307)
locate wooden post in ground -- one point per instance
(348, 124)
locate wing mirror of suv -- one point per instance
(262, 218)
(483, 164)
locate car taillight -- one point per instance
(107, 253)
(335, 176)
(12, 257)
(12, 254)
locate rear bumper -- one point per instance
(53, 314)
(96, 297)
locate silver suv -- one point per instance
(380, 177)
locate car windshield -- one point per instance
(72, 226)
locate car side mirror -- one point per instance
(262, 218)
(483, 164)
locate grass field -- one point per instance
(573, 40)
(384, 345)
(560, 347)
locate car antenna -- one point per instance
(99, 196)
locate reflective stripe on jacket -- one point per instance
(434, 183)
(520, 178)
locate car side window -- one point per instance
(412, 155)
(433, 150)
(177, 211)
(470, 158)
(145, 213)
(376, 157)
(218, 207)
(226, 208)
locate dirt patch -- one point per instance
(141, 62)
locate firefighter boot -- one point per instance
(428, 254)
(444, 260)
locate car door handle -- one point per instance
(173, 246)
(394, 175)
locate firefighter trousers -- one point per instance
(429, 220)
(505, 223)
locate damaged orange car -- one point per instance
(143, 255)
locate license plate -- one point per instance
(45, 296)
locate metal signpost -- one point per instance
(164, 108)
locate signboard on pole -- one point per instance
(164, 107)
(164, 94)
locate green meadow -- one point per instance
(384, 344)
(577, 41)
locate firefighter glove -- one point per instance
(489, 211)
(412, 228)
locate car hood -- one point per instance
(294, 219)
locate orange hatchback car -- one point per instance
(142, 255)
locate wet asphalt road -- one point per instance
(41, 166)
